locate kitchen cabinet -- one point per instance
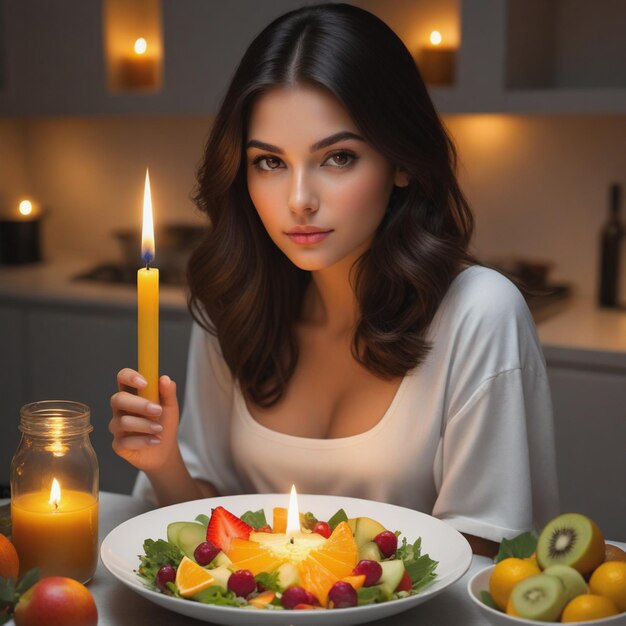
(532, 56)
(590, 422)
(585, 351)
(516, 56)
(73, 350)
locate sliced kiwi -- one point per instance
(540, 597)
(571, 539)
(572, 580)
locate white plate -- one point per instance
(120, 550)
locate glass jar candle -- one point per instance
(54, 491)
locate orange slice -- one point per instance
(329, 563)
(320, 562)
(253, 556)
(262, 600)
(279, 521)
(356, 581)
(191, 578)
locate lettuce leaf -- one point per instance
(157, 554)
(521, 547)
(256, 519)
(420, 567)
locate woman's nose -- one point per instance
(302, 197)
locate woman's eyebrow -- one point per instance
(330, 140)
(318, 145)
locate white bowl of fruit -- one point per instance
(568, 574)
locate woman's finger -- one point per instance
(134, 442)
(129, 378)
(127, 402)
(134, 424)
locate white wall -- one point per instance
(538, 185)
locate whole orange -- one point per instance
(609, 580)
(506, 574)
(9, 561)
(588, 606)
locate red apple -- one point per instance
(56, 601)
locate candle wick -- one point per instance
(291, 541)
(148, 264)
(56, 506)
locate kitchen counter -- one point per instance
(573, 328)
(584, 334)
(53, 282)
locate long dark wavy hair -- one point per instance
(244, 289)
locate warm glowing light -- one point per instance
(435, 38)
(147, 231)
(26, 207)
(55, 494)
(141, 45)
(293, 513)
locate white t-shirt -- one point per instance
(467, 438)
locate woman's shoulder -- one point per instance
(481, 292)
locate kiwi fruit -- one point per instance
(613, 553)
(540, 597)
(571, 539)
(571, 578)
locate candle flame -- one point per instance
(141, 45)
(26, 207)
(147, 232)
(293, 513)
(435, 38)
(55, 494)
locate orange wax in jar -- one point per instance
(60, 539)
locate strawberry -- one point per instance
(405, 582)
(224, 526)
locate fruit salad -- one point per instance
(566, 574)
(246, 562)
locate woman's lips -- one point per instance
(308, 236)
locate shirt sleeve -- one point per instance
(495, 459)
(204, 431)
(495, 467)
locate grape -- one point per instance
(342, 595)
(242, 582)
(322, 528)
(166, 574)
(295, 595)
(205, 552)
(372, 570)
(387, 543)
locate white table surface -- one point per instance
(119, 606)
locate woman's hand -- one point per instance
(144, 433)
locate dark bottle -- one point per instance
(612, 240)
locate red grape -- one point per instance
(242, 582)
(322, 528)
(294, 595)
(166, 574)
(342, 595)
(205, 552)
(372, 570)
(387, 543)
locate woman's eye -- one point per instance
(267, 163)
(340, 159)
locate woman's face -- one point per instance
(320, 190)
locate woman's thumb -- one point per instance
(167, 391)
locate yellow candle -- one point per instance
(60, 536)
(148, 305)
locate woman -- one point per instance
(345, 339)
